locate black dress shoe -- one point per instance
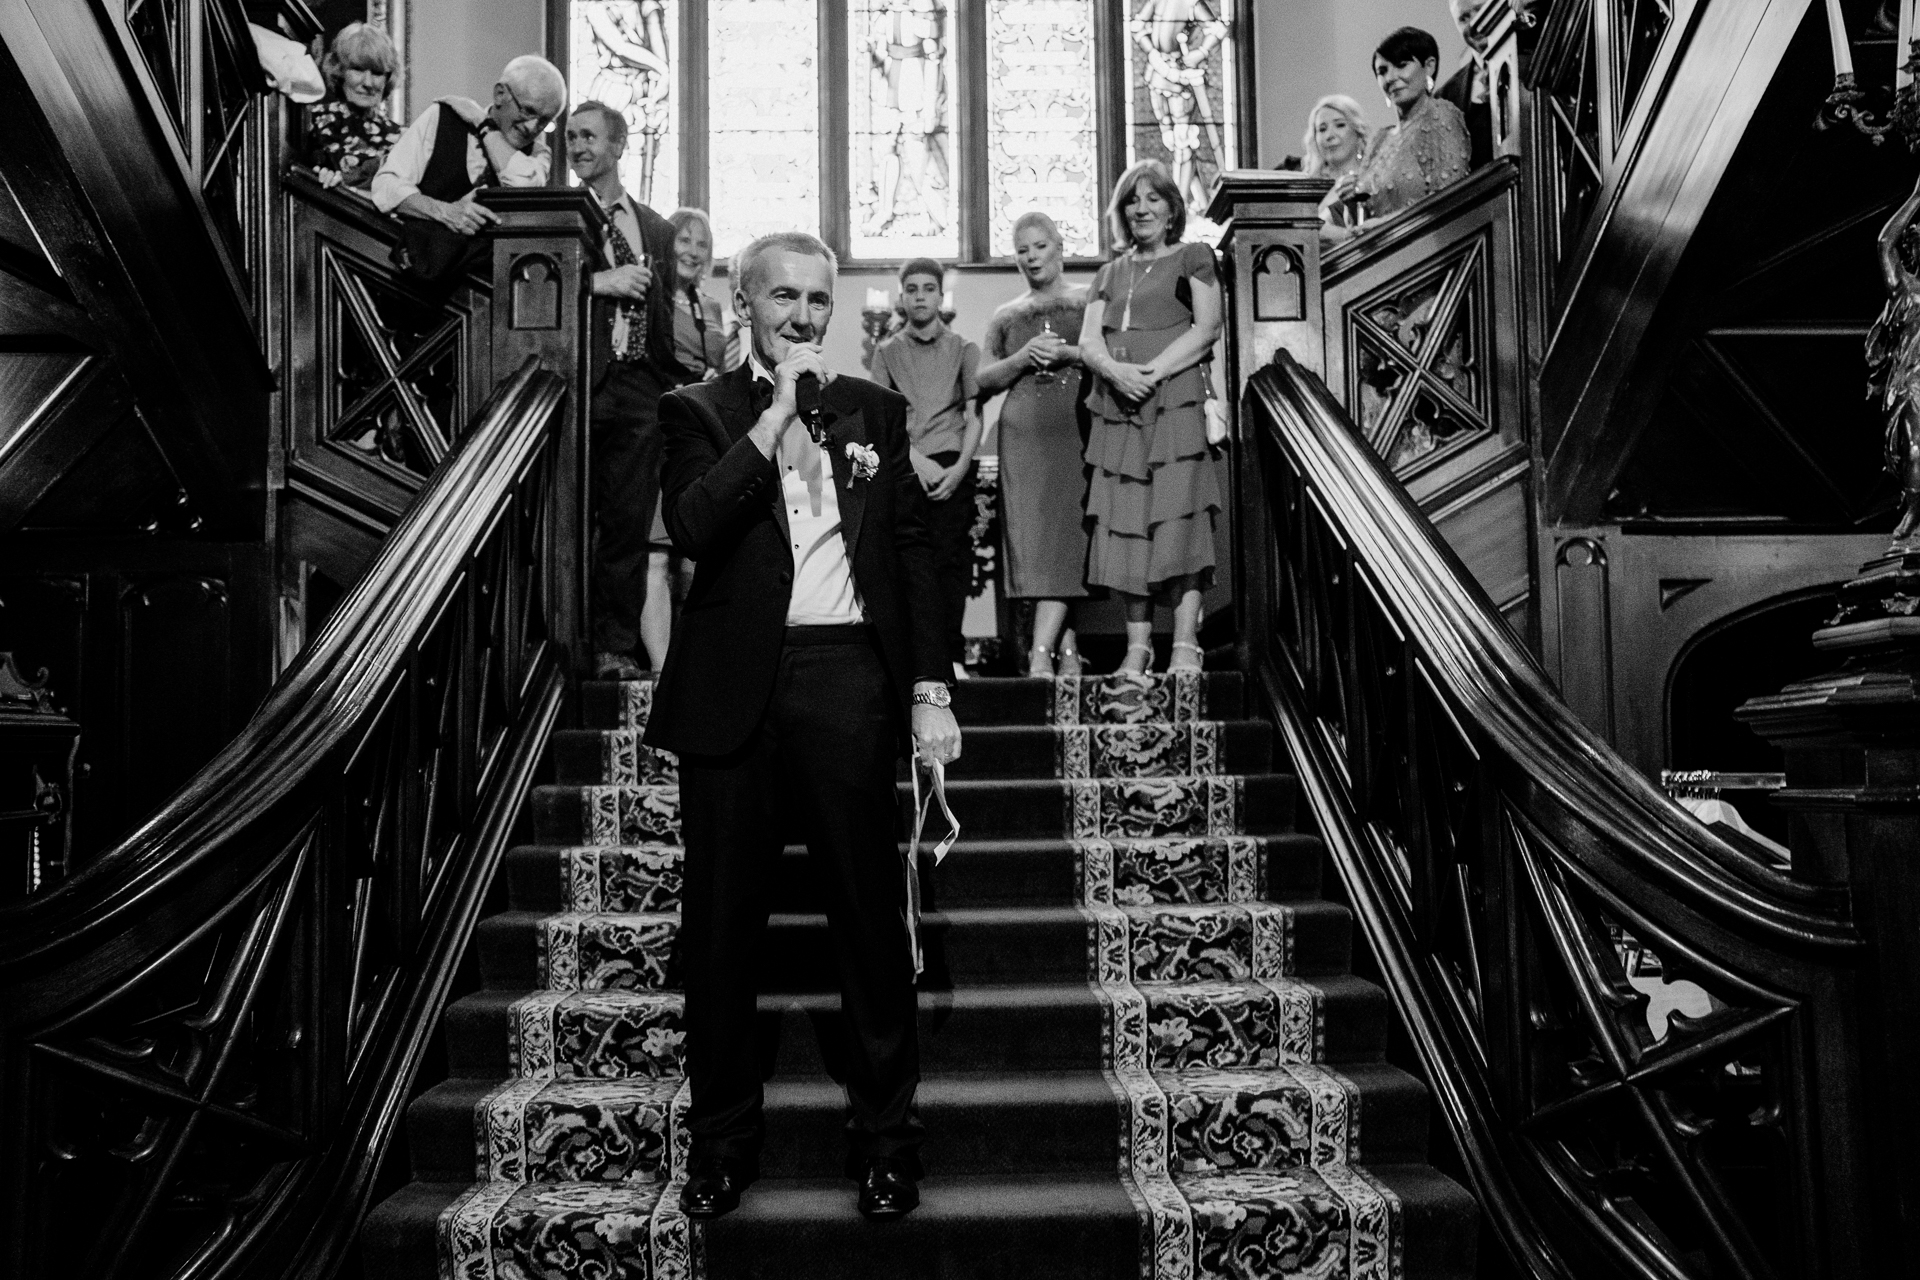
(709, 1193)
(887, 1190)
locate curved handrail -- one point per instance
(1522, 890)
(262, 960)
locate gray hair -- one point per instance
(747, 262)
(611, 120)
(1035, 218)
(359, 46)
(541, 80)
(1312, 162)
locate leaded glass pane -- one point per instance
(625, 53)
(1180, 93)
(1042, 129)
(763, 98)
(901, 179)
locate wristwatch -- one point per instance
(938, 696)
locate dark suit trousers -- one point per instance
(822, 763)
(624, 457)
(950, 526)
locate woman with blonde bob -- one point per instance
(1153, 315)
(349, 134)
(1336, 139)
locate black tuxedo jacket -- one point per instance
(722, 503)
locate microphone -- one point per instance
(806, 403)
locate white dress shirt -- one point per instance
(406, 164)
(823, 591)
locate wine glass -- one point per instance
(1046, 374)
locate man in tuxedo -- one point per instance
(1467, 87)
(808, 656)
(632, 364)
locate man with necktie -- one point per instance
(809, 655)
(632, 366)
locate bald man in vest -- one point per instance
(456, 146)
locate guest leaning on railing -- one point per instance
(349, 134)
(1152, 318)
(1335, 145)
(1427, 149)
(1042, 480)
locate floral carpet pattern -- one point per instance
(1240, 1146)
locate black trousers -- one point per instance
(624, 456)
(823, 761)
(950, 525)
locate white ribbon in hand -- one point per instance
(937, 774)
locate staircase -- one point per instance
(1144, 1054)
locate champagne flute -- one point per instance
(1046, 374)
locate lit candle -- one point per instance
(1837, 34)
(877, 300)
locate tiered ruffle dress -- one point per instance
(1042, 478)
(1153, 490)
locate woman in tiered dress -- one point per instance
(1152, 317)
(1042, 480)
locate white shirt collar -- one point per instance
(760, 372)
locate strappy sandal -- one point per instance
(1040, 662)
(1145, 667)
(1199, 661)
(1067, 663)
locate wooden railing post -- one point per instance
(545, 250)
(1270, 254)
(1852, 745)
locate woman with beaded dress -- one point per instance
(1031, 343)
(1153, 315)
(1427, 149)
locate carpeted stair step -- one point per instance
(602, 756)
(1031, 1027)
(566, 1130)
(994, 809)
(980, 1227)
(1219, 695)
(1008, 872)
(971, 945)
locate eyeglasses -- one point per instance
(539, 121)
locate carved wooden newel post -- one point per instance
(1270, 255)
(544, 253)
(1852, 742)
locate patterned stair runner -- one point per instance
(1239, 1143)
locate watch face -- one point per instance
(938, 696)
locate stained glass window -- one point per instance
(625, 54)
(1042, 126)
(763, 93)
(901, 187)
(1180, 93)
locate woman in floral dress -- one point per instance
(1030, 341)
(1428, 149)
(1152, 318)
(349, 134)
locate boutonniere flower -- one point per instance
(865, 461)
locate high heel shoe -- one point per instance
(1197, 663)
(1144, 667)
(1067, 663)
(1040, 662)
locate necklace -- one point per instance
(1134, 277)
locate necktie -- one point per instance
(632, 312)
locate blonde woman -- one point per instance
(349, 134)
(1335, 145)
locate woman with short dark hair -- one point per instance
(1152, 317)
(349, 134)
(1428, 148)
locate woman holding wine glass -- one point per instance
(1152, 318)
(1042, 482)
